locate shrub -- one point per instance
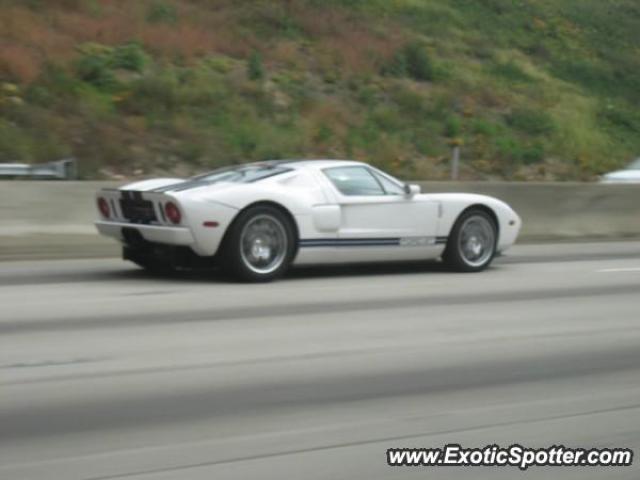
(152, 93)
(97, 62)
(255, 70)
(14, 144)
(269, 19)
(367, 95)
(621, 117)
(452, 127)
(484, 127)
(162, 12)
(511, 71)
(324, 134)
(411, 103)
(533, 153)
(512, 149)
(95, 69)
(585, 72)
(411, 61)
(388, 119)
(130, 56)
(56, 87)
(418, 63)
(533, 122)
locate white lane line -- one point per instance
(616, 270)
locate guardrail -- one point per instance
(64, 169)
(43, 219)
(562, 211)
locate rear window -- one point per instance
(242, 173)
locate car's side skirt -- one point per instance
(347, 250)
(372, 242)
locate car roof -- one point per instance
(292, 164)
(315, 163)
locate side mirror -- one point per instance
(411, 190)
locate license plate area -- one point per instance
(138, 210)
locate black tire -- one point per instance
(459, 258)
(245, 265)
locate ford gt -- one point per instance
(256, 220)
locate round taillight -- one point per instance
(103, 206)
(172, 212)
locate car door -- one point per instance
(375, 211)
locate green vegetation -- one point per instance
(411, 61)
(255, 68)
(531, 89)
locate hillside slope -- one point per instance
(532, 89)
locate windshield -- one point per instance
(242, 173)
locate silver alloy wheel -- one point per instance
(263, 244)
(477, 241)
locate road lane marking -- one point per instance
(618, 270)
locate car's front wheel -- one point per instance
(260, 245)
(472, 244)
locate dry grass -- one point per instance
(19, 63)
(351, 42)
(31, 38)
(51, 34)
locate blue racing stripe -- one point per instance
(366, 242)
(349, 242)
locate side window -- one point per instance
(354, 181)
(390, 187)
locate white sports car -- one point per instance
(255, 220)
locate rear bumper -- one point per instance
(151, 233)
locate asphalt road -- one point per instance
(106, 372)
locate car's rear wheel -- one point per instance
(259, 246)
(472, 244)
